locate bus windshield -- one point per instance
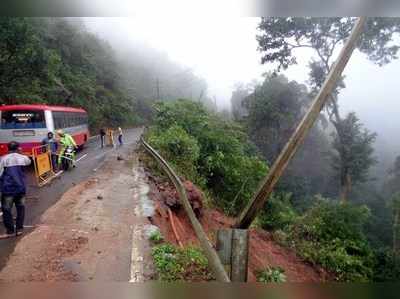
(23, 119)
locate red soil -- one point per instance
(263, 250)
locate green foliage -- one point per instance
(271, 275)
(156, 237)
(387, 266)
(392, 182)
(281, 36)
(332, 235)
(226, 163)
(57, 61)
(278, 213)
(175, 264)
(178, 148)
(354, 150)
(274, 109)
(23, 60)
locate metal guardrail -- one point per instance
(212, 256)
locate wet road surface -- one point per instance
(39, 199)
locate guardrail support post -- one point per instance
(224, 248)
(240, 250)
(232, 249)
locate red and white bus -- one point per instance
(29, 124)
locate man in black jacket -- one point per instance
(13, 188)
(102, 136)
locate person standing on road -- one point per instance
(13, 188)
(102, 136)
(53, 145)
(66, 140)
(120, 136)
(110, 133)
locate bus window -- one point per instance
(59, 119)
(23, 119)
(68, 119)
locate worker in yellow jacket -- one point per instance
(65, 140)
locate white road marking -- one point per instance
(136, 259)
(59, 172)
(85, 155)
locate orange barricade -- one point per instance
(44, 171)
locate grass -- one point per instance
(156, 237)
(271, 275)
(176, 264)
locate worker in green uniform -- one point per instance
(65, 140)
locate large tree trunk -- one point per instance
(345, 178)
(395, 231)
(345, 187)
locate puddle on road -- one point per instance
(145, 207)
(146, 204)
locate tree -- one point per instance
(354, 153)
(23, 60)
(274, 109)
(392, 184)
(280, 37)
(395, 203)
(227, 164)
(237, 101)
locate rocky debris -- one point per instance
(170, 196)
(195, 197)
(70, 246)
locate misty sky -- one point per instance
(224, 51)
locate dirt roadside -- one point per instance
(263, 250)
(95, 232)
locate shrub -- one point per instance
(331, 234)
(278, 213)
(175, 264)
(224, 161)
(271, 274)
(387, 266)
(178, 148)
(156, 237)
(232, 175)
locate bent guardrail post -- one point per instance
(212, 257)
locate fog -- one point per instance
(223, 51)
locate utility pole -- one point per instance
(158, 88)
(267, 186)
(201, 95)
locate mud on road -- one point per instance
(93, 232)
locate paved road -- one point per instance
(40, 199)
